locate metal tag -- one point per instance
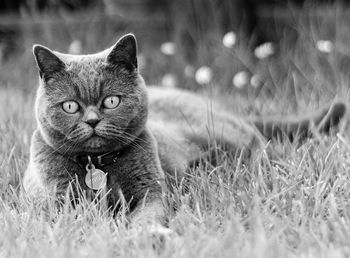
(95, 178)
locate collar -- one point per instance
(102, 160)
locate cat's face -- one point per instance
(93, 103)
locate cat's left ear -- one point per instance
(124, 52)
(48, 63)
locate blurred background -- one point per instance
(259, 50)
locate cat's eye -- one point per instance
(70, 107)
(111, 102)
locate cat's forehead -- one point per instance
(85, 66)
(85, 70)
(89, 76)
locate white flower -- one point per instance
(229, 39)
(75, 47)
(204, 75)
(264, 50)
(256, 81)
(189, 71)
(240, 79)
(325, 46)
(168, 48)
(169, 80)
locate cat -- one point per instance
(99, 125)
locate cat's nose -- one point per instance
(93, 122)
(92, 118)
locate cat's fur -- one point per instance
(160, 131)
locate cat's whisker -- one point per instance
(76, 135)
(65, 143)
(69, 149)
(56, 150)
(121, 131)
(125, 139)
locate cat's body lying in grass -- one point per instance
(96, 109)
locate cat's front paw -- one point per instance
(156, 234)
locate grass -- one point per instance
(294, 206)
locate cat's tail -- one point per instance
(301, 127)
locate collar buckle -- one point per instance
(99, 161)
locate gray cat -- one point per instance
(99, 124)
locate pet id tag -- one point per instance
(95, 178)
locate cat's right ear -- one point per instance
(124, 52)
(47, 62)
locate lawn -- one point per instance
(294, 205)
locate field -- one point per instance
(294, 205)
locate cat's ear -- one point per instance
(124, 52)
(48, 63)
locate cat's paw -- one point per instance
(159, 229)
(156, 234)
(154, 230)
(159, 235)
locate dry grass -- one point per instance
(294, 206)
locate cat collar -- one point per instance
(105, 159)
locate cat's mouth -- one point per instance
(96, 137)
(94, 143)
(93, 135)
